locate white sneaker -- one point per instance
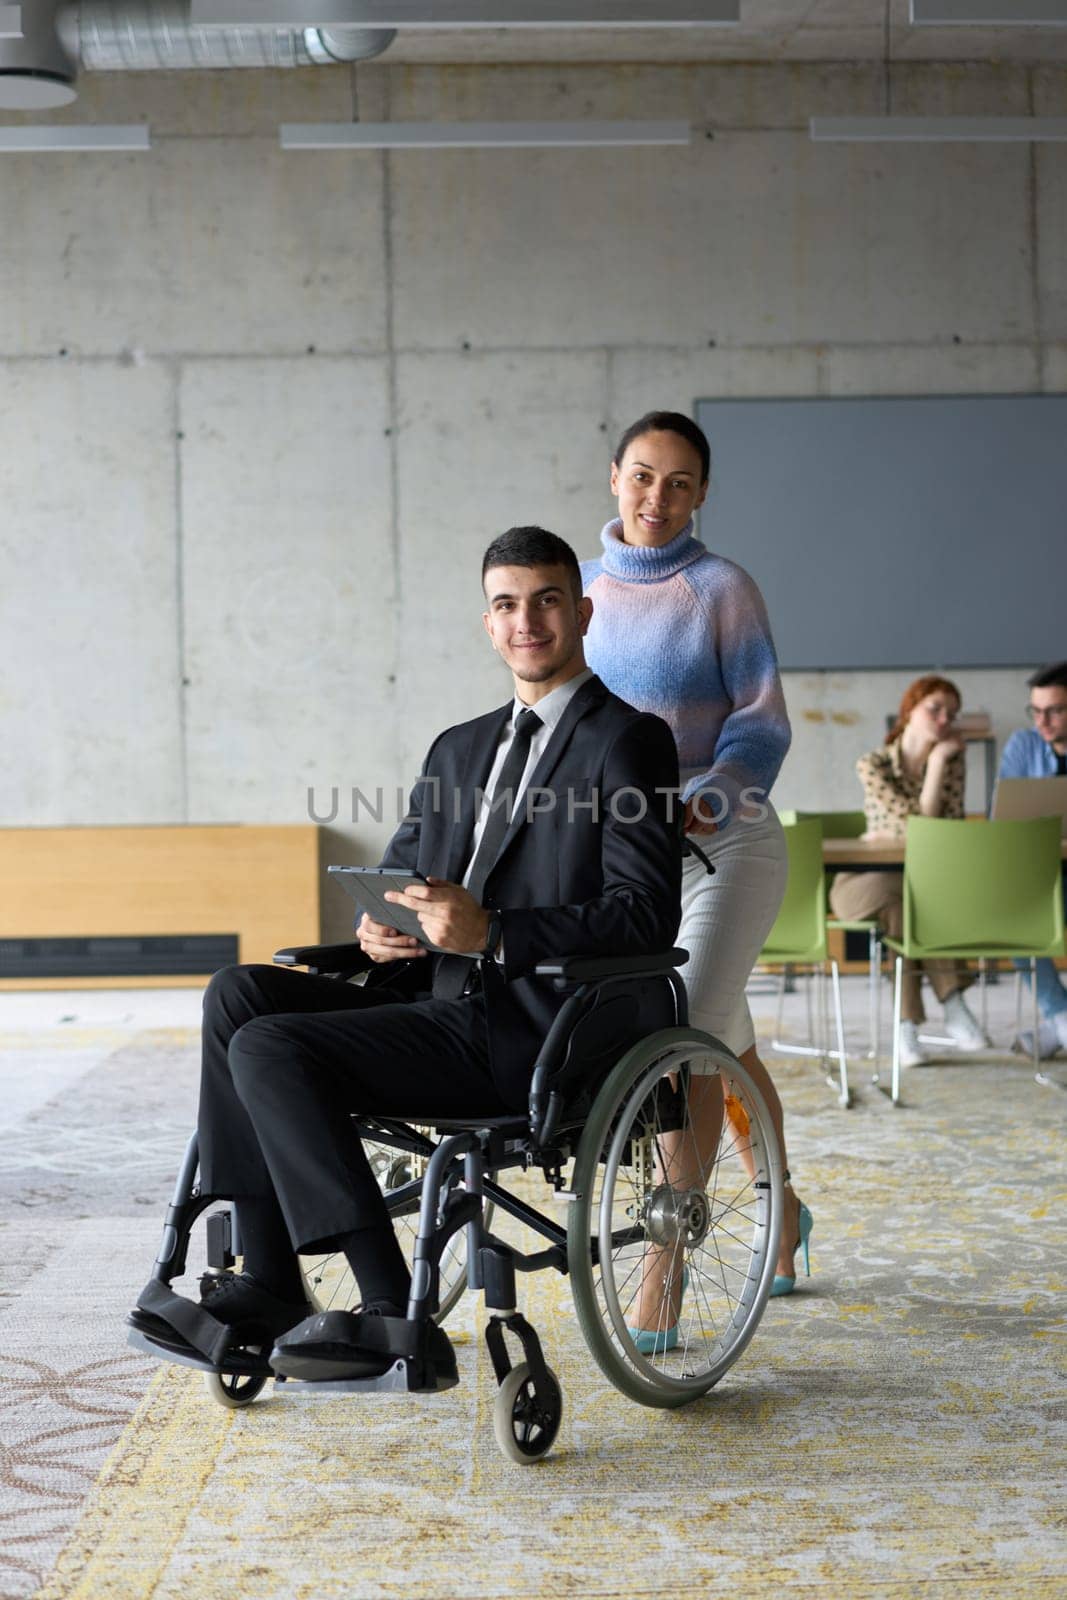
(912, 1053)
(1048, 1040)
(962, 1025)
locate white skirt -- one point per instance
(725, 920)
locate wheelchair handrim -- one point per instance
(610, 1342)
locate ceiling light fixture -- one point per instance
(465, 13)
(475, 135)
(938, 130)
(989, 13)
(33, 139)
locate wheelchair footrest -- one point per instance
(364, 1348)
(169, 1319)
(401, 1378)
(241, 1363)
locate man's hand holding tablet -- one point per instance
(406, 915)
(450, 918)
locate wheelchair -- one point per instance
(664, 1151)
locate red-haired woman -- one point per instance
(918, 772)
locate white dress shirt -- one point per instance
(550, 710)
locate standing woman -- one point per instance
(683, 632)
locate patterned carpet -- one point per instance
(896, 1428)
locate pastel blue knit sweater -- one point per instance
(684, 633)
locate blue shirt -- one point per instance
(1027, 755)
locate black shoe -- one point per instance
(254, 1315)
(233, 1322)
(364, 1344)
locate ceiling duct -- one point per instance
(40, 70)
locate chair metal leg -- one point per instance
(787, 986)
(782, 979)
(820, 1047)
(982, 996)
(844, 1097)
(898, 1006)
(874, 976)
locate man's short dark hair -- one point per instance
(533, 547)
(1054, 676)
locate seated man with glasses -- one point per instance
(1041, 752)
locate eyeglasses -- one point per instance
(1040, 713)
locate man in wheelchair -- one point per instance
(544, 830)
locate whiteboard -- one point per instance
(901, 533)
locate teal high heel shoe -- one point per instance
(657, 1341)
(782, 1283)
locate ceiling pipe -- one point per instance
(40, 70)
(37, 71)
(327, 45)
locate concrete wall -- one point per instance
(262, 411)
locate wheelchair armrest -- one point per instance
(346, 958)
(591, 969)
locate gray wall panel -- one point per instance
(897, 533)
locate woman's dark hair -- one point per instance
(1054, 676)
(533, 547)
(931, 683)
(668, 422)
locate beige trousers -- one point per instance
(880, 895)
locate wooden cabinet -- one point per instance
(120, 903)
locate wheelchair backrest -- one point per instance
(599, 1023)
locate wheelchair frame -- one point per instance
(573, 1114)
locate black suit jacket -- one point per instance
(594, 870)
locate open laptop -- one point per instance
(1019, 799)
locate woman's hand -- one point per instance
(932, 798)
(696, 818)
(943, 749)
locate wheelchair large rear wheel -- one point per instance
(674, 1226)
(328, 1278)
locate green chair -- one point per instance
(850, 825)
(978, 891)
(798, 939)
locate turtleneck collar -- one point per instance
(645, 563)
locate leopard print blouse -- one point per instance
(891, 795)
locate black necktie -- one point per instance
(502, 803)
(452, 972)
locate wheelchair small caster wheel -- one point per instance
(234, 1389)
(524, 1429)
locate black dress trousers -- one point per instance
(287, 1059)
